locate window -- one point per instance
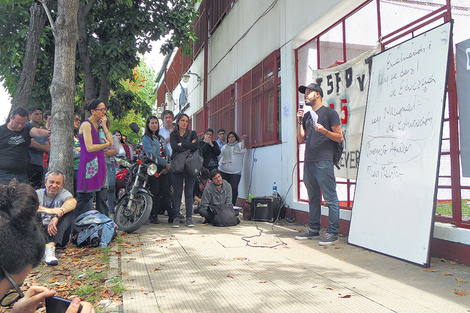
(256, 102)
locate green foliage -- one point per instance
(13, 32)
(118, 32)
(123, 125)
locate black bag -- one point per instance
(224, 215)
(178, 162)
(338, 148)
(194, 162)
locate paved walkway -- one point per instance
(212, 269)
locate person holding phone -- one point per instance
(21, 249)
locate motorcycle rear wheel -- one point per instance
(131, 219)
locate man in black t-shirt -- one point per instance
(15, 139)
(318, 128)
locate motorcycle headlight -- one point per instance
(152, 169)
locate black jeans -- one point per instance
(64, 226)
(84, 202)
(160, 189)
(177, 180)
(234, 181)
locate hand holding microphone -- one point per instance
(300, 112)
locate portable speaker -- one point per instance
(265, 209)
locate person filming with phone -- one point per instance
(21, 249)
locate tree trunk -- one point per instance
(63, 89)
(33, 41)
(88, 78)
(105, 88)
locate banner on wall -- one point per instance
(345, 89)
(463, 96)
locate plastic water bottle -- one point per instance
(274, 190)
(101, 135)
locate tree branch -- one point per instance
(87, 7)
(49, 16)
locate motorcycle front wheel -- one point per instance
(129, 219)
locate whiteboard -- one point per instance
(394, 203)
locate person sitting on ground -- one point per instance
(55, 205)
(217, 192)
(203, 179)
(210, 150)
(21, 249)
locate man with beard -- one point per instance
(319, 127)
(217, 192)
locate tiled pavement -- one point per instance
(217, 269)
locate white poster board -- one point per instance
(394, 203)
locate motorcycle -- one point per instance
(135, 200)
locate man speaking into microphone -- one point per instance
(319, 126)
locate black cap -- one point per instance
(312, 86)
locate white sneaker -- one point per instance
(49, 255)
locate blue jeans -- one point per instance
(111, 174)
(319, 178)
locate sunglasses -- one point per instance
(13, 295)
(77, 119)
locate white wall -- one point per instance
(244, 39)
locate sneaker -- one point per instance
(154, 219)
(189, 222)
(308, 235)
(330, 239)
(49, 255)
(176, 222)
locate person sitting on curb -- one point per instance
(217, 192)
(55, 205)
(21, 249)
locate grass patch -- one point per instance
(82, 272)
(445, 209)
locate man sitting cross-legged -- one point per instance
(55, 205)
(217, 192)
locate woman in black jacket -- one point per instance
(182, 139)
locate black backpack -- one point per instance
(338, 148)
(224, 215)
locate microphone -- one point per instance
(301, 104)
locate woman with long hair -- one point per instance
(21, 249)
(231, 161)
(181, 140)
(124, 149)
(91, 174)
(160, 187)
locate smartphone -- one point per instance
(58, 305)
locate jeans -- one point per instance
(234, 181)
(319, 178)
(84, 202)
(111, 173)
(177, 180)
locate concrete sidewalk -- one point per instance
(240, 269)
